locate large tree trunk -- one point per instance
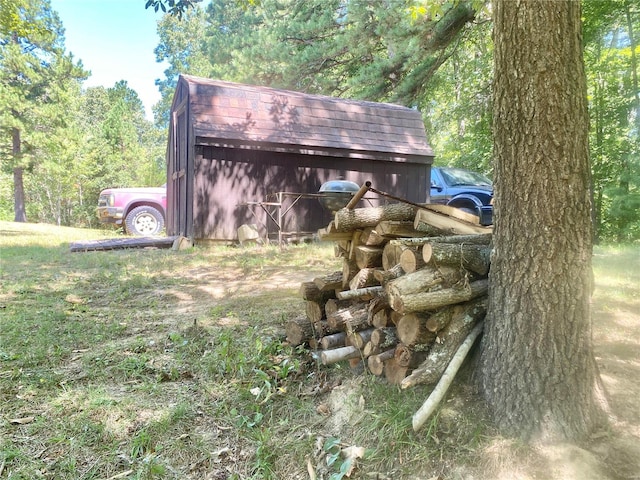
(20, 214)
(538, 371)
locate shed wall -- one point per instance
(226, 178)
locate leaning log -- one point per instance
(424, 412)
(347, 220)
(450, 340)
(424, 302)
(314, 311)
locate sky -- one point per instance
(115, 40)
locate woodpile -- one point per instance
(412, 288)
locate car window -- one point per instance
(458, 176)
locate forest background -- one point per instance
(62, 143)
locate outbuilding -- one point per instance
(241, 154)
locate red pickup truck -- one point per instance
(140, 211)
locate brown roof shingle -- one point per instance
(246, 113)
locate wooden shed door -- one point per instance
(181, 174)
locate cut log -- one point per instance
(411, 259)
(358, 218)
(298, 331)
(450, 339)
(361, 293)
(314, 311)
(446, 220)
(349, 270)
(376, 362)
(424, 302)
(368, 257)
(411, 357)
(395, 373)
(333, 305)
(328, 357)
(371, 237)
(334, 340)
(123, 243)
(381, 319)
(396, 229)
(385, 276)
(310, 291)
(364, 278)
(330, 234)
(422, 280)
(355, 241)
(359, 339)
(384, 338)
(472, 257)
(412, 329)
(424, 412)
(340, 318)
(442, 317)
(329, 282)
(391, 255)
(474, 239)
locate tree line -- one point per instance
(65, 143)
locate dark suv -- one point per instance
(464, 189)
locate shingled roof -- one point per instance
(237, 113)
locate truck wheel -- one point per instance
(144, 221)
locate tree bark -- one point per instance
(364, 278)
(19, 210)
(537, 368)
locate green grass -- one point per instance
(172, 364)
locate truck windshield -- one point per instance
(458, 176)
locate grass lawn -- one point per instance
(154, 363)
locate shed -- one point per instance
(233, 146)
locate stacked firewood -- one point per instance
(412, 287)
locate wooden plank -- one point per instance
(122, 243)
